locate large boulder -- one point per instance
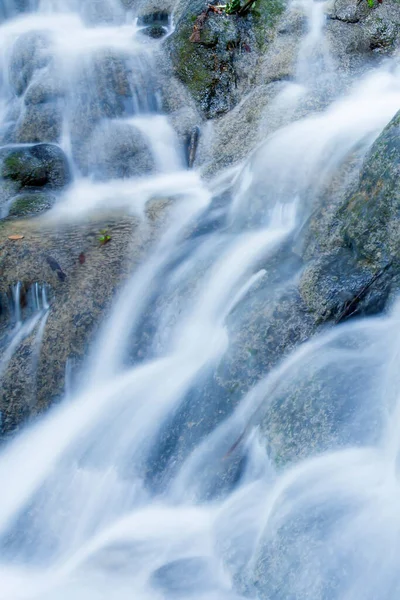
(352, 269)
(81, 276)
(359, 264)
(347, 265)
(216, 55)
(35, 165)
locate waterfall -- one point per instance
(139, 483)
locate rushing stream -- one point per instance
(96, 501)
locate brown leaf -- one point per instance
(82, 258)
(15, 237)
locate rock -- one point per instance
(7, 127)
(216, 56)
(154, 18)
(238, 132)
(109, 85)
(79, 300)
(353, 269)
(30, 52)
(349, 11)
(154, 31)
(45, 87)
(35, 165)
(32, 203)
(184, 576)
(362, 248)
(370, 220)
(119, 150)
(343, 272)
(178, 103)
(155, 24)
(357, 32)
(39, 123)
(192, 142)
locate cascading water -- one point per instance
(96, 502)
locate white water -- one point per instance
(84, 512)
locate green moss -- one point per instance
(265, 16)
(11, 166)
(30, 204)
(189, 66)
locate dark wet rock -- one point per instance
(39, 123)
(155, 32)
(155, 18)
(27, 204)
(30, 52)
(362, 249)
(119, 150)
(192, 143)
(370, 220)
(35, 165)
(216, 55)
(352, 270)
(79, 303)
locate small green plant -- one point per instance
(371, 3)
(104, 237)
(235, 7)
(232, 7)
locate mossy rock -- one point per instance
(35, 165)
(219, 65)
(370, 220)
(29, 204)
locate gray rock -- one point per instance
(109, 85)
(39, 123)
(30, 52)
(239, 131)
(35, 165)
(119, 150)
(358, 32)
(45, 87)
(353, 269)
(79, 300)
(27, 204)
